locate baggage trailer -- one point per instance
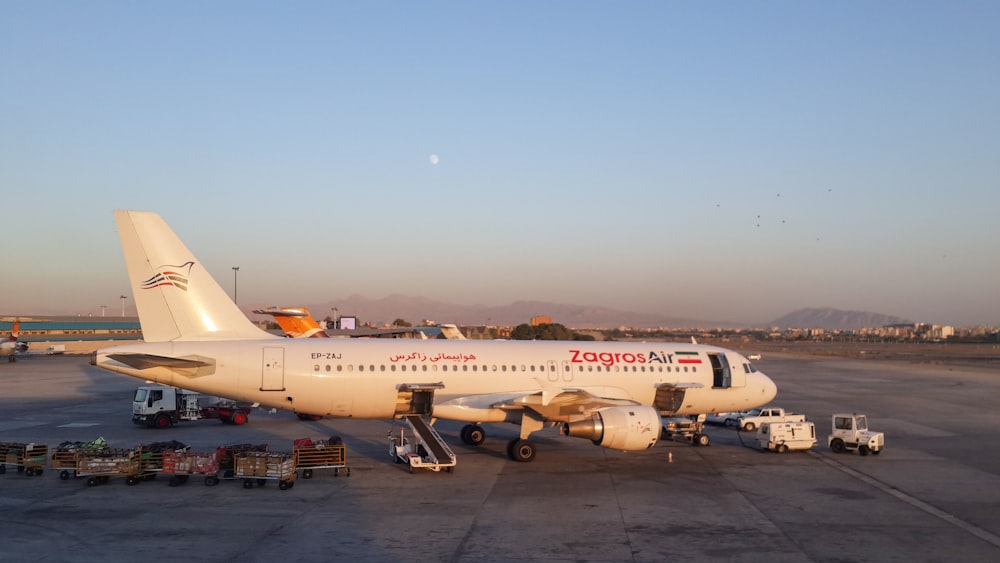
(29, 459)
(64, 456)
(181, 465)
(99, 467)
(328, 454)
(261, 467)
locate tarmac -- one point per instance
(932, 495)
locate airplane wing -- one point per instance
(563, 404)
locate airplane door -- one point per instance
(722, 376)
(272, 375)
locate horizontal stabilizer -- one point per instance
(149, 361)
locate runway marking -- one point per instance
(980, 533)
(17, 424)
(79, 425)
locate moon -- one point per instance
(434, 159)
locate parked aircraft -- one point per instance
(11, 347)
(611, 393)
(296, 322)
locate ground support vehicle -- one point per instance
(181, 465)
(324, 454)
(261, 467)
(64, 456)
(159, 406)
(727, 419)
(685, 429)
(426, 451)
(29, 459)
(99, 467)
(785, 436)
(755, 417)
(850, 432)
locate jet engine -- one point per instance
(619, 428)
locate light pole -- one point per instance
(235, 270)
(123, 298)
(103, 307)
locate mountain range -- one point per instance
(415, 310)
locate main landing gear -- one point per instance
(518, 449)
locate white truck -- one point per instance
(850, 432)
(784, 436)
(753, 419)
(161, 407)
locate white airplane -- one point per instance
(612, 393)
(11, 346)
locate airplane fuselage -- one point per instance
(365, 378)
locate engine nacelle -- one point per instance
(619, 428)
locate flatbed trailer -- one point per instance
(311, 455)
(27, 458)
(261, 467)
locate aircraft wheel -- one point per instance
(475, 435)
(702, 440)
(863, 450)
(522, 450)
(837, 445)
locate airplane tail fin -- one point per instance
(176, 297)
(296, 322)
(15, 330)
(451, 332)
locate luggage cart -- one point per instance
(64, 456)
(261, 467)
(99, 467)
(181, 465)
(227, 458)
(328, 454)
(29, 459)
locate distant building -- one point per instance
(541, 320)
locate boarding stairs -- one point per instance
(435, 453)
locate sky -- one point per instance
(708, 160)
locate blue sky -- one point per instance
(718, 161)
